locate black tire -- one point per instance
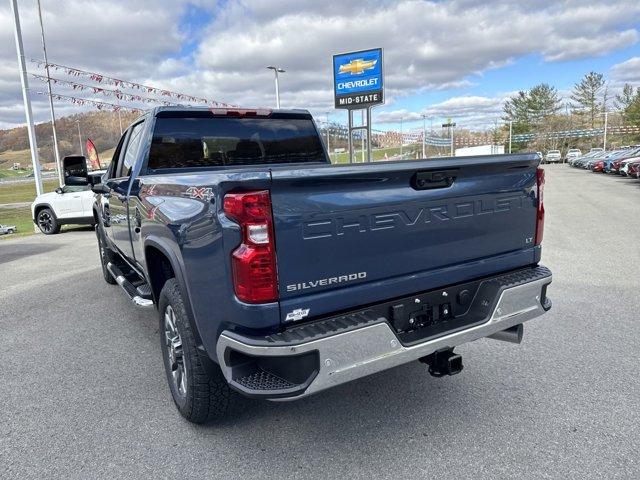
(205, 394)
(11, 231)
(106, 256)
(47, 222)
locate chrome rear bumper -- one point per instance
(375, 347)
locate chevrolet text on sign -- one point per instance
(358, 79)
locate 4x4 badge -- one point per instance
(202, 193)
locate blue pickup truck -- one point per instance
(277, 275)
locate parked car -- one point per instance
(596, 150)
(67, 205)
(7, 229)
(271, 268)
(573, 153)
(624, 165)
(553, 156)
(632, 168)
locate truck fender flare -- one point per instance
(178, 270)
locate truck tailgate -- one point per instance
(348, 236)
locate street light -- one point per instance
(424, 134)
(276, 71)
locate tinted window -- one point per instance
(113, 166)
(220, 141)
(132, 150)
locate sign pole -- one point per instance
(369, 158)
(350, 133)
(31, 131)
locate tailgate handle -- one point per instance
(433, 179)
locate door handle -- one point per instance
(122, 198)
(433, 179)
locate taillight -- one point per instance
(255, 277)
(540, 213)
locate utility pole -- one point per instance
(276, 70)
(25, 96)
(510, 133)
(80, 137)
(51, 110)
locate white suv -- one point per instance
(67, 205)
(553, 156)
(573, 153)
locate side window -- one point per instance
(131, 153)
(113, 166)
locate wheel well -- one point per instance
(159, 268)
(39, 208)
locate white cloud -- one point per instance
(628, 71)
(429, 45)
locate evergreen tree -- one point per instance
(543, 101)
(625, 98)
(588, 96)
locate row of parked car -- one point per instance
(623, 161)
(556, 156)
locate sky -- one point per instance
(456, 59)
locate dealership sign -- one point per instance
(358, 79)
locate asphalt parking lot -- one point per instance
(84, 395)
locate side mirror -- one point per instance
(100, 188)
(75, 170)
(59, 191)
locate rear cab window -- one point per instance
(201, 139)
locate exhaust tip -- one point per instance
(512, 335)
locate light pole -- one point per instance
(80, 137)
(276, 71)
(424, 134)
(31, 131)
(51, 110)
(604, 140)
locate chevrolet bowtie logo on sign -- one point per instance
(358, 79)
(358, 66)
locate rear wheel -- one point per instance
(200, 393)
(47, 222)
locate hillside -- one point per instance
(102, 127)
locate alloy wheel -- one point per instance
(175, 354)
(45, 222)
